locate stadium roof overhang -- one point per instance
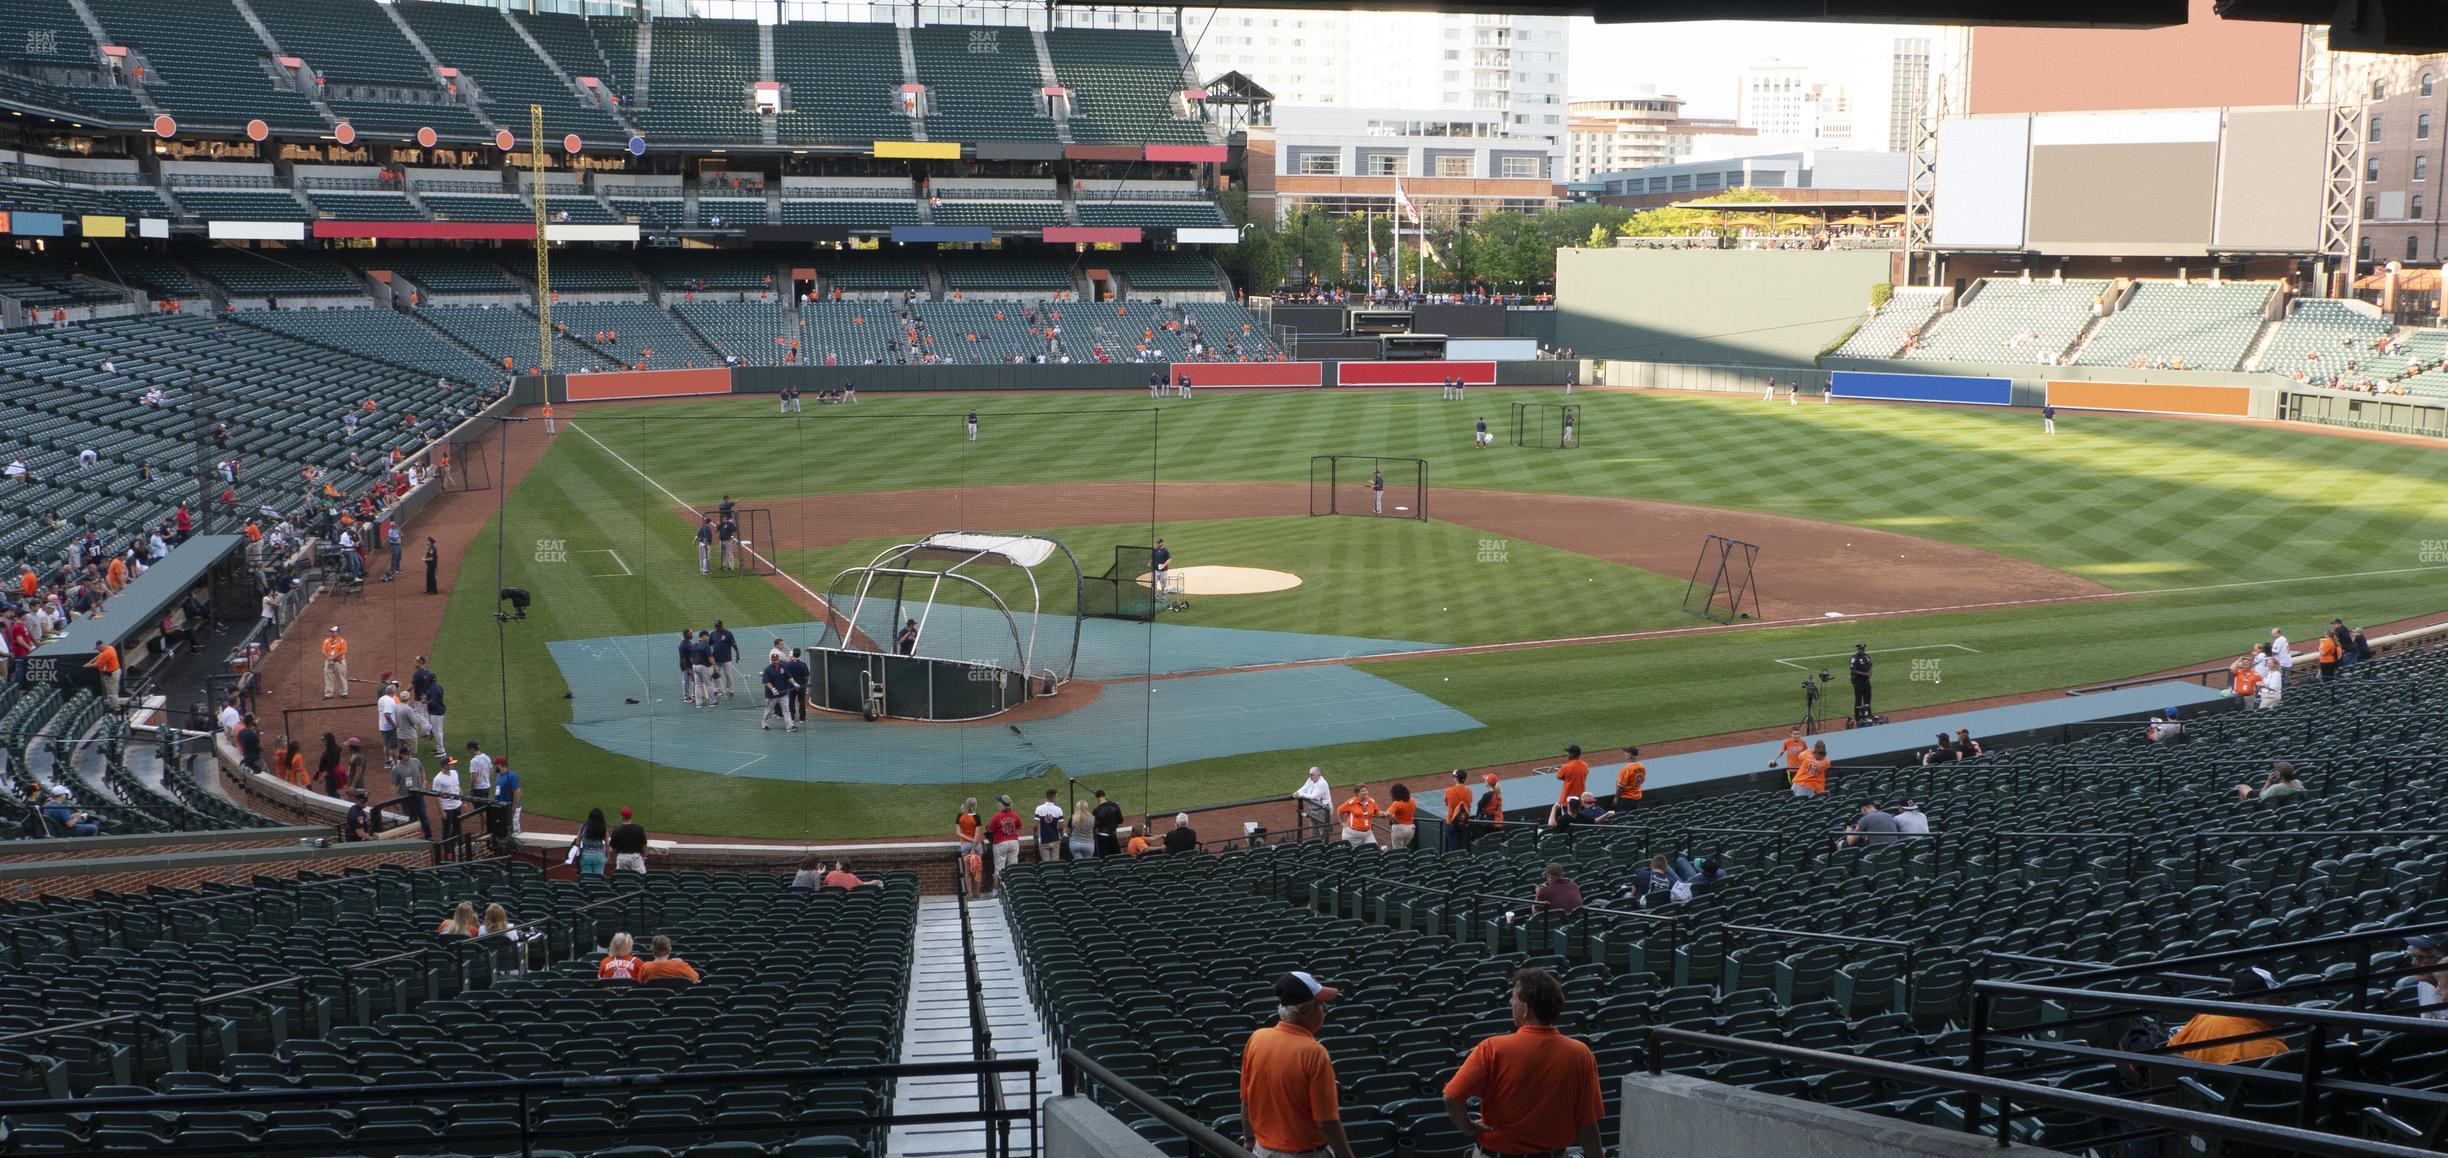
(2058, 14)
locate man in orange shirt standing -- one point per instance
(1360, 818)
(1810, 775)
(1288, 1083)
(1491, 804)
(1630, 782)
(1457, 812)
(1791, 754)
(1537, 1089)
(1402, 818)
(1573, 774)
(548, 419)
(106, 661)
(335, 664)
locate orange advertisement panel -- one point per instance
(645, 384)
(2151, 398)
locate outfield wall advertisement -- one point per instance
(1204, 375)
(2151, 398)
(1414, 373)
(1922, 388)
(645, 384)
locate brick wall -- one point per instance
(15, 852)
(135, 874)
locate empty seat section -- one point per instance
(2201, 326)
(2319, 336)
(1024, 274)
(730, 212)
(205, 66)
(505, 332)
(856, 212)
(700, 79)
(756, 333)
(233, 204)
(687, 270)
(1900, 321)
(1153, 269)
(636, 334)
(441, 271)
(480, 43)
(870, 271)
(2010, 320)
(1152, 214)
(476, 206)
(1122, 84)
(983, 83)
(361, 205)
(252, 273)
(46, 34)
(592, 270)
(382, 334)
(842, 80)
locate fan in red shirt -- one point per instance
(1003, 833)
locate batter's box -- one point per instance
(616, 560)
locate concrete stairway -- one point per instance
(936, 1028)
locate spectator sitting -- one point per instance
(65, 817)
(360, 822)
(1139, 844)
(621, 963)
(1557, 893)
(842, 878)
(461, 922)
(1182, 838)
(1910, 821)
(1966, 747)
(2426, 953)
(2280, 784)
(2164, 727)
(811, 872)
(1707, 872)
(1657, 877)
(1874, 827)
(664, 966)
(2251, 985)
(1944, 753)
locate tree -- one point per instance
(1670, 222)
(1599, 238)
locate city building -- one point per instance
(1833, 176)
(1772, 98)
(2405, 161)
(1635, 131)
(1456, 166)
(1421, 61)
(1908, 85)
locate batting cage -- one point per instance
(740, 547)
(644, 660)
(1369, 486)
(465, 459)
(1549, 425)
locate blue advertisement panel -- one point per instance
(37, 224)
(1921, 388)
(905, 234)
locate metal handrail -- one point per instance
(2009, 1092)
(1202, 1137)
(2112, 973)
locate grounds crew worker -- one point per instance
(335, 664)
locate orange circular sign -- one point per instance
(426, 137)
(345, 133)
(257, 130)
(504, 141)
(163, 126)
(571, 143)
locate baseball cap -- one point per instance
(354, 741)
(335, 628)
(1490, 778)
(1572, 750)
(2428, 942)
(625, 813)
(1297, 988)
(2250, 980)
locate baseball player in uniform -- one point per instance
(1479, 433)
(1377, 490)
(701, 662)
(688, 671)
(705, 545)
(973, 426)
(726, 659)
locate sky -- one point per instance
(1701, 61)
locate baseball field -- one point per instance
(1539, 604)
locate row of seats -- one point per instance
(2320, 335)
(1900, 321)
(2198, 326)
(1409, 935)
(789, 976)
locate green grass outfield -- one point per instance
(2232, 528)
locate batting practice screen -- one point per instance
(1366, 485)
(1552, 425)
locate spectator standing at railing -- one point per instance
(1107, 820)
(1003, 838)
(1360, 818)
(1049, 817)
(1572, 775)
(446, 790)
(1457, 812)
(1402, 817)
(1315, 801)
(628, 844)
(1537, 1089)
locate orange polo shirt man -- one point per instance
(1573, 775)
(1630, 782)
(1457, 812)
(115, 575)
(1537, 1089)
(1288, 1096)
(106, 661)
(335, 664)
(1359, 817)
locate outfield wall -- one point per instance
(1130, 376)
(1742, 307)
(1952, 388)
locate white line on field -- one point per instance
(681, 503)
(624, 571)
(1790, 661)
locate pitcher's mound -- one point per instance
(1208, 580)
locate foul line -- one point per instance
(827, 607)
(624, 573)
(1790, 660)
